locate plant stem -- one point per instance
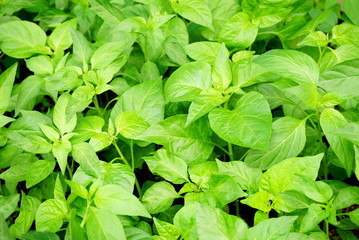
(230, 151)
(97, 105)
(122, 157)
(237, 207)
(86, 214)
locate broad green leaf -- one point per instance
(166, 230)
(341, 78)
(315, 190)
(61, 150)
(303, 69)
(245, 176)
(20, 165)
(351, 9)
(221, 72)
(82, 51)
(350, 131)
(107, 11)
(203, 222)
(356, 170)
(271, 229)
(260, 200)
(314, 39)
(354, 216)
(281, 176)
(175, 51)
(40, 65)
(247, 125)
(38, 171)
(266, 15)
(346, 197)
(196, 11)
(119, 201)
(338, 55)
(61, 119)
(104, 224)
(203, 51)
(7, 79)
(74, 229)
(109, 52)
(50, 215)
(22, 39)
(5, 120)
(145, 98)
(201, 173)
(4, 229)
(35, 235)
(330, 120)
(223, 190)
(191, 143)
(313, 217)
(8, 204)
(159, 197)
(332, 99)
(87, 127)
(78, 189)
(239, 31)
(203, 103)
(168, 166)
(287, 140)
(130, 124)
(344, 34)
(60, 39)
(49, 132)
(187, 82)
(29, 90)
(290, 201)
(149, 71)
(119, 174)
(85, 155)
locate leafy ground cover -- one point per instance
(179, 119)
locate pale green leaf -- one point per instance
(159, 197)
(50, 215)
(60, 38)
(38, 171)
(7, 79)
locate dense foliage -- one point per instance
(179, 119)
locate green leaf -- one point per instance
(130, 124)
(221, 72)
(346, 197)
(201, 173)
(314, 39)
(29, 90)
(40, 65)
(85, 155)
(223, 190)
(81, 48)
(342, 78)
(356, 170)
(330, 120)
(60, 39)
(239, 31)
(199, 221)
(119, 174)
(35, 235)
(260, 200)
(204, 51)
(107, 11)
(271, 229)
(19, 167)
(104, 224)
(344, 34)
(168, 166)
(245, 176)
(49, 132)
(145, 98)
(349, 131)
(187, 82)
(61, 119)
(22, 39)
(205, 102)
(315, 190)
(7, 79)
(313, 217)
(350, 8)
(4, 229)
(166, 230)
(109, 52)
(119, 201)
(196, 11)
(50, 215)
(61, 150)
(5, 120)
(303, 69)
(282, 176)
(191, 143)
(87, 127)
(38, 171)
(159, 197)
(247, 125)
(288, 140)
(8, 204)
(78, 189)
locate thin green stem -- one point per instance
(108, 104)
(86, 214)
(122, 157)
(69, 170)
(230, 151)
(237, 207)
(244, 155)
(97, 106)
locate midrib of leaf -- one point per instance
(173, 170)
